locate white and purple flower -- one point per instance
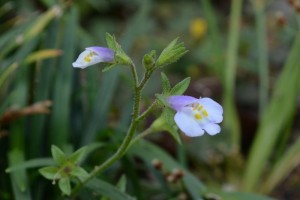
(194, 116)
(93, 55)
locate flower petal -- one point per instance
(214, 110)
(106, 54)
(178, 102)
(212, 129)
(188, 125)
(93, 55)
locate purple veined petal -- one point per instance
(188, 125)
(93, 55)
(212, 129)
(106, 54)
(214, 110)
(177, 102)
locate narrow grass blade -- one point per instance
(262, 52)
(60, 118)
(43, 86)
(107, 190)
(275, 118)
(147, 152)
(282, 168)
(18, 178)
(231, 121)
(37, 27)
(215, 37)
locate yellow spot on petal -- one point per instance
(205, 113)
(200, 107)
(87, 58)
(198, 116)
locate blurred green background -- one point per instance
(243, 54)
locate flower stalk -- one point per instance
(138, 87)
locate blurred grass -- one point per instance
(60, 116)
(262, 52)
(275, 118)
(231, 121)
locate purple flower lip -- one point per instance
(93, 55)
(194, 116)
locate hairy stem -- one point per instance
(125, 145)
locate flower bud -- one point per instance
(148, 61)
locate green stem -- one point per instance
(134, 75)
(138, 87)
(146, 112)
(146, 132)
(145, 79)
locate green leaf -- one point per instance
(78, 155)
(61, 110)
(282, 168)
(240, 196)
(166, 86)
(171, 53)
(79, 173)
(107, 190)
(280, 109)
(122, 183)
(148, 151)
(39, 162)
(50, 173)
(18, 178)
(65, 185)
(58, 155)
(180, 87)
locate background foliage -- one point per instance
(244, 54)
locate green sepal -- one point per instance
(120, 56)
(50, 173)
(171, 53)
(162, 99)
(111, 42)
(106, 68)
(166, 123)
(180, 87)
(171, 127)
(65, 185)
(166, 86)
(80, 173)
(77, 155)
(58, 155)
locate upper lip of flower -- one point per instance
(193, 115)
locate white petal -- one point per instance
(82, 63)
(214, 110)
(188, 124)
(212, 129)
